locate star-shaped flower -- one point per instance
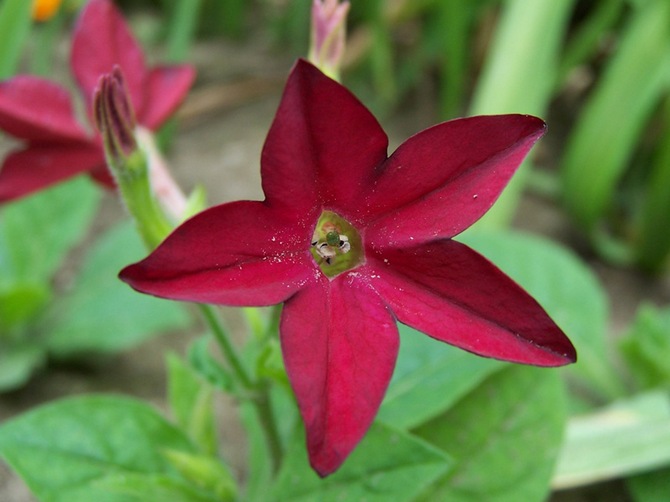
(352, 241)
(41, 112)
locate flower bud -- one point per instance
(115, 118)
(328, 35)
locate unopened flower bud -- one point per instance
(115, 118)
(328, 35)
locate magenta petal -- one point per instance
(40, 166)
(239, 253)
(340, 344)
(443, 179)
(167, 87)
(322, 148)
(35, 109)
(453, 294)
(101, 40)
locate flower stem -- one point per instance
(269, 424)
(261, 395)
(226, 345)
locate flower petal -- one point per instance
(453, 294)
(340, 344)
(167, 86)
(36, 109)
(40, 166)
(443, 179)
(322, 148)
(239, 253)
(101, 40)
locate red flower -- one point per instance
(352, 240)
(40, 112)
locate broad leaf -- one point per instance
(37, 232)
(19, 304)
(67, 451)
(18, 361)
(389, 464)
(504, 437)
(646, 347)
(430, 376)
(192, 403)
(103, 314)
(629, 437)
(152, 487)
(568, 291)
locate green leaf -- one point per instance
(651, 486)
(15, 27)
(102, 313)
(65, 451)
(504, 438)
(389, 464)
(17, 364)
(519, 75)
(646, 347)
(205, 472)
(260, 474)
(37, 232)
(568, 291)
(133, 487)
(652, 246)
(631, 436)
(192, 403)
(605, 136)
(19, 305)
(429, 377)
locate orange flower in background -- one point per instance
(43, 10)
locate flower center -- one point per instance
(336, 245)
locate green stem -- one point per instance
(269, 424)
(226, 345)
(261, 399)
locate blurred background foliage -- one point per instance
(598, 71)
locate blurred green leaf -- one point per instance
(519, 75)
(646, 347)
(504, 437)
(65, 451)
(18, 362)
(430, 376)
(628, 437)
(605, 135)
(651, 486)
(652, 243)
(134, 487)
(568, 291)
(192, 403)
(15, 24)
(182, 28)
(260, 475)
(37, 232)
(102, 313)
(388, 464)
(206, 472)
(589, 35)
(19, 304)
